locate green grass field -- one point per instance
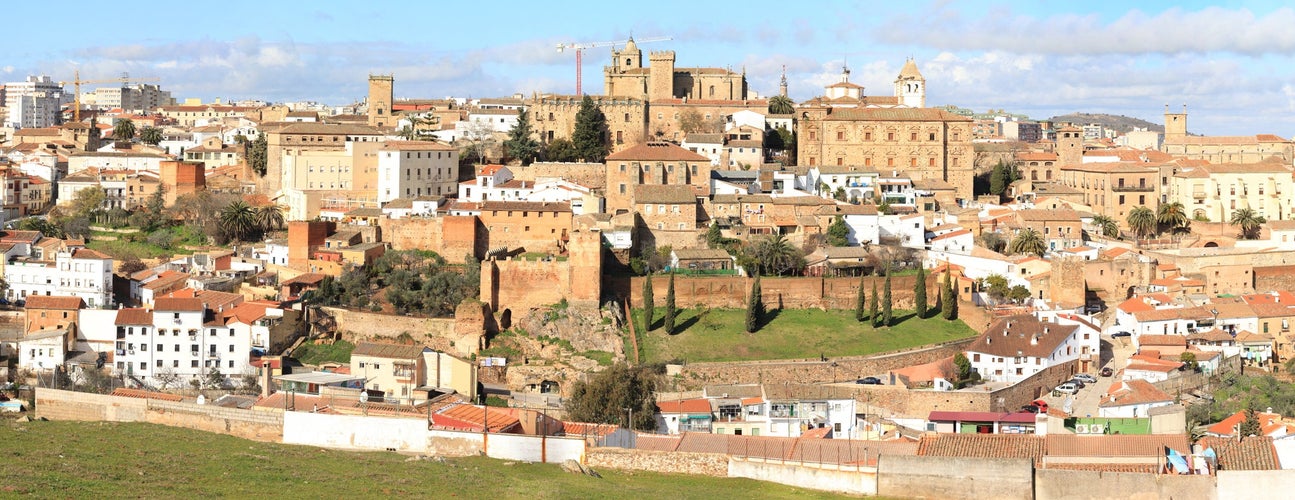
(311, 353)
(719, 335)
(91, 460)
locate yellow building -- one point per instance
(1114, 188)
(1213, 192)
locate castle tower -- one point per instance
(586, 266)
(1070, 145)
(910, 86)
(782, 83)
(1175, 125)
(380, 97)
(629, 57)
(661, 75)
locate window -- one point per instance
(840, 135)
(193, 364)
(975, 357)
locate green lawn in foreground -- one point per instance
(97, 460)
(719, 335)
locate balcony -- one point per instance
(1200, 195)
(213, 355)
(1121, 189)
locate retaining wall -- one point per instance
(944, 477)
(703, 464)
(257, 425)
(825, 477)
(1050, 484)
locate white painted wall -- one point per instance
(352, 432)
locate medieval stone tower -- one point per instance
(1175, 125)
(1070, 145)
(910, 86)
(380, 97)
(661, 75)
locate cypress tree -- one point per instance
(649, 303)
(589, 136)
(872, 305)
(919, 293)
(886, 316)
(860, 302)
(949, 298)
(754, 307)
(669, 307)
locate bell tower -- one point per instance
(1175, 125)
(381, 88)
(910, 86)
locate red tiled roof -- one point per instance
(306, 278)
(655, 151)
(54, 302)
(175, 304)
(134, 316)
(982, 445)
(469, 417)
(699, 405)
(1134, 392)
(1116, 445)
(587, 429)
(1251, 453)
(1228, 426)
(142, 394)
(86, 253)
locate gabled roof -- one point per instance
(1251, 453)
(54, 302)
(134, 316)
(982, 445)
(177, 304)
(469, 417)
(655, 151)
(1022, 335)
(1133, 392)
(1116, 445)
(1162, 340)
(689, 406)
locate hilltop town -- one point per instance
(675, 272)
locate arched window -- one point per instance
(712, 91)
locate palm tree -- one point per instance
(150, 135)
(1028, 241)
(1172, 216)
(774, 254)
(238, 220)
(1248, 221)
(269, 217)
(781, 105)
(1142, 221)
(123, 130)
(1107, 226)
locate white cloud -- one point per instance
(1173, 31)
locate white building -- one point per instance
(959, 242)
(1017, 347)
(74, 271)
(908, 230)
(861, 219)
(33, 103)
(1132, 399)
(409, 169)
(179, 337)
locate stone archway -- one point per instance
(506, 319)
(1212, 244)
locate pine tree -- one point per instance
(520, 145)
(590, 129)
(860, 302)
(668, 322)
(872, 306)
(838, 234)
(714, 237)
(649, 303)
(886, 315)
(949, 298)
(919, 293)
(1249, 426)
(754, 307)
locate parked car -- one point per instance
(1106, 372)
(1029, 409)
(1041, 404)
(868, 381)
(1078, 383)
(1121, 334)
(1086, 378)
(1067, 388)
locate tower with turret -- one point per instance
(910, 86)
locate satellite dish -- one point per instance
(364, 396)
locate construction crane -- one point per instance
(580, 49)
(77, 81)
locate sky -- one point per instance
(1231, 63)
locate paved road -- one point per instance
(1115, 354)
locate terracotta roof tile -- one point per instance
(1251, 453)
(54, 302)
(1023, 334)
(134, 316)
(1116, 445)
(982, 445)
(655, 151)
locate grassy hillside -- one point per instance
(719, 335)
(1117, 122)
(89, 460)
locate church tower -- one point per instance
(629, 57)
(1070, 145)
(381, 90)
(782, 84)
(910, 86)
(1175, 125)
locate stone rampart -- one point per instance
(791, 293)
(702, 464)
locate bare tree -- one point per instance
(166, 378)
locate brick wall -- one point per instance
(440, 334)
(702, 464)
(792, 293)
(591, 175)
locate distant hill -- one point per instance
(1115, 122)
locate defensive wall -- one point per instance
(590, 175)
(791, 293)
(441, 334)
(258, 425)
(452, 237)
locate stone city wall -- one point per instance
(437, 333)
(778, 293)
(257, 425)
(702, 464)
